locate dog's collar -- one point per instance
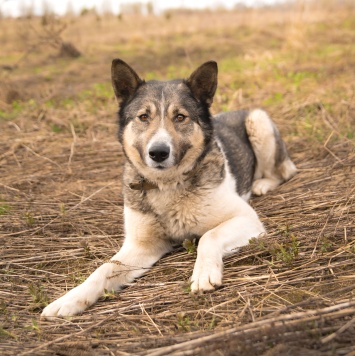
(142, 185)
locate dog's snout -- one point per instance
(159, 153)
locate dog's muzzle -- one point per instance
(159, 152)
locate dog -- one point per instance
(187, 174)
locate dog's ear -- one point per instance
(125, 80)
(203, 82)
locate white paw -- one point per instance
(206, 276)
(262, 186)
(288, 169)
(64, 306)
(72, 303)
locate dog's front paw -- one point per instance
(206, 276)
(64, 306)
(72, 303)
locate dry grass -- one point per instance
(60, 190)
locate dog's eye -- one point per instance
(180, 118)
(143, 117)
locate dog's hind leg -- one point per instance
(273, 165)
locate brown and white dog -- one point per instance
(187, 175)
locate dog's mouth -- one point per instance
(160, 166)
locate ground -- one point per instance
(291, 292)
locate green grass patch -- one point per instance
(183, 322)
(274, 99)
(68, 102)
(56, 128)
(235, 65)
(29, 218)
(103, 90)
(39, 296)
(6, 334)
(4, 208)
(17, 107)
(190, 245)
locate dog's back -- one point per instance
(232, 135)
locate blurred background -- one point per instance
(57, 55)
(294, 58)
(39, 7)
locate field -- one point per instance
(60, 184)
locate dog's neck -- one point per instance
(142, 184)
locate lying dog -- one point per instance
(187, 175)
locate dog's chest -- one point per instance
(189, 213)
(179, 212)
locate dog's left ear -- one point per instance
(125, 80)
(203, 82)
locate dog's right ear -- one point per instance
(125, 80)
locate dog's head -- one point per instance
(164, 127)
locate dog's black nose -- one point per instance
(159, 153)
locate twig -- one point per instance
(329, 151)
(319, 236)
(338, 332)
(72, 146)
(38, 155)
(151, 320)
